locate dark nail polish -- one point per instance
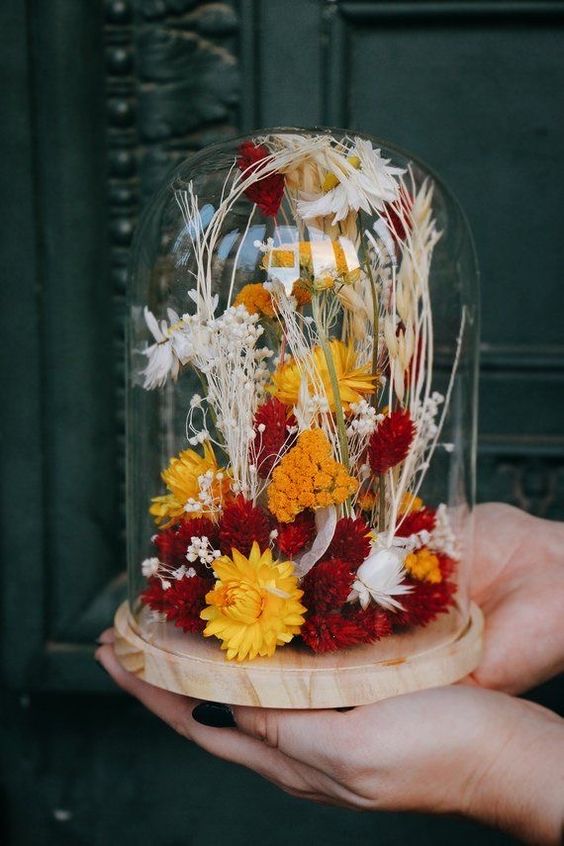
(214, 714)
(346, 708)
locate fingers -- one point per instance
(228, 744)
(522, 644)
(307, 736)
(107, 636)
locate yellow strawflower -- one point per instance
(255, 604)
(308, 477)
(423, 565)
(354, 382)
(256, 299)
(186, 477)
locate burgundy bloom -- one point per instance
(294, 537)
(390, 443)
(373, 620)
(241, 524)
(273, 420)
(331, 632)
(154, 595)
(186, 598)
(416, 521)
(351, 542)
(172, 544)
(427, 600)
(267, 192)
(327, 585)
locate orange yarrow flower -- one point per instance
(308, 477)
(256, 299)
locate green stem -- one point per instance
(381, 502)
(339, 414)
(375, 330)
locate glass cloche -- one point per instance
(303, 312)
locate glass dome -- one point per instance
(303, 315)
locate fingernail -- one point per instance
(345, 708)
(214, 714)
(99, 641)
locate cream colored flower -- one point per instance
(379, 578)
(365, 181)
(168, 353)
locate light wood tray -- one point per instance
(295, 677)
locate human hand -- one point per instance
(518, 581)
(447, 750)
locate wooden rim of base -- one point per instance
(293, 678)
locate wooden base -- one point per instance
(294, 677)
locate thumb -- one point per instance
(307, 736)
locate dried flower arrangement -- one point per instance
(294, 512)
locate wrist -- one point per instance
(518, 785)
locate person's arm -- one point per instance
(522, 789)
(458, 750)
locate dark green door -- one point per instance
(101, 100)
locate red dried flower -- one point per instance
(172, 544)
(427, 600)
(267, 193)
(154, 595)
(373, 620)
(351, 542)
(330, 632)
(417, 521)
(327, 585)
(273, 415)
(446, 564)
(294, 537)
(398, 215)
(186, 598)
(390, 443)
(414, 362)
(241, 524)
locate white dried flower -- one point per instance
(368, 187)
(442, 537)
(363, 420)
(170, 350)
(201, 550)
(380, 578)
(150, 567)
